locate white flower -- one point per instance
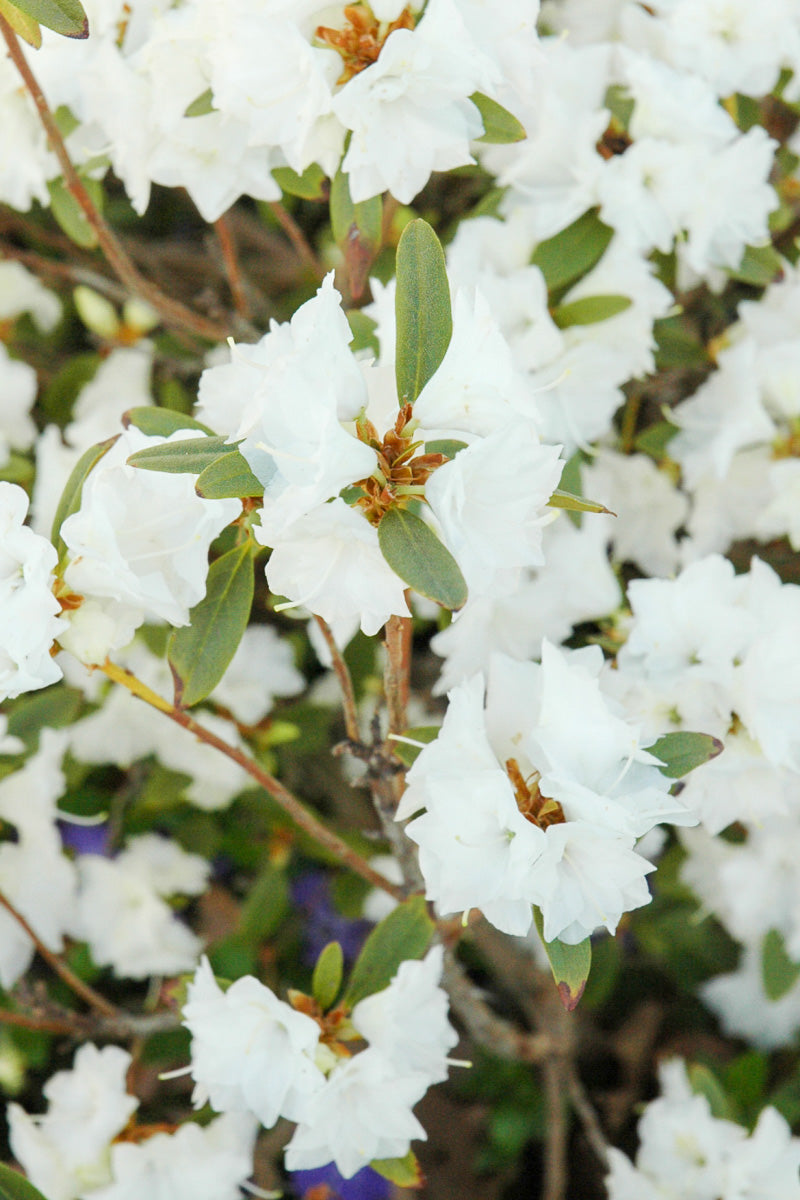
(362, 1113)
(329, 561)
(407, 1021)
(250, 1051)
(141, 537)
(29, 610)
(20, 292)
(194, 1163)
(65, 1153)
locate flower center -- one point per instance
(401, 471)
(363, 37)
(538, 809)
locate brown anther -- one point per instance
(538, 809)
(140, 1133)
(614, 141)
(360, 42)
(397, 464)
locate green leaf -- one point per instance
(62, 16)
(202, 105)
(414, 552)
(266, 906)
(449, 447)
(308, 186)
(188, 457)
(14, 1186)
(161, 422)
(678, 345)
(23, 25)
(760, 265)
(570, 964)
(405, 933)
(199, 653)
(655, 439)
(704, 1082)
(51, 708)
(681, 752)
(589, 310)
(422, 309)
(363, 329)
(572, 252)
(500, 127)
(69, 214)
(403, 1172)
(420, 733)
(779, 973)
(562, 499)
(357, 230)
(70, 500)
(17, 469)
(228, 477)
(64, 388)
(327, 978)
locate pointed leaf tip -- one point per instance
(570, 999)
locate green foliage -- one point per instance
(308, 186)
(405, 933)
(200, 653)
(562, 499)
(500, 127)
(63, 389)
(69, 214)
(202, 105)
(62, 16)
(161, 422)
(570, 964)
(655, 439)
(14, 1186)
(681, 752)
(420, 733)
(403, 1172)
(422, 309)
(229, 476)
(70, 500)
(589, 310)
(779, 973)
(21, 23)
(327, 978)
(569, 255)
(188, 457)
(357, 230)
(414, 552)
(760, 266)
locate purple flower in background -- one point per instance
(86, 839)
(311, 893)
(325, 1183)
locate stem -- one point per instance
(303, 248)
(587, 1115)
(92, 998)
(45, 1024)
(232, 269)
(345, 681)
(398, 671)
(172, 312)
(555, 1150)
(301, 816)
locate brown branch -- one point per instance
(303, 248)
(485, 1026)
(87, 993)
(398, 670)
(171, 311)
(345, 680)
(233, 271)
(301, 816)
(586, 1114)
(555, 1146)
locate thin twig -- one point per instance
(555, 1146)
(301, 816)
(398, 671)
(171, 311)
(43, 1024)
(345, 680)
(586, 1114)
(485, 1026)
(303, 248)
(233, 271)
(87, 993)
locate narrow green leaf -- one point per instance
(70, 500)
(308, 186)
(23, 25)
(779, 973)
(570, 964)
(266, 906)
(161, 422)
(571, 253)
(64, 388)
(655, 439)
(500, 127)
(760, 265)
(681, 752)
(589, 310)
(449, 447)
(402, 1172)
(419, 733)
(678, 344)
(226, 477)
(199, 653)
(14, 1186)
(52, 708)
(202, 105)
(405, 933)
(69, 214)
(62, 16)
(422, 309)
(704, 1082)
(562, 499)
(414, 552)
(363, 329)
(327, 978)
(572, 484)
(357, 230)
(188, 457)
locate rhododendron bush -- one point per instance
(399, 599)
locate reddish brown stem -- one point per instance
(345, 681)
(303, 248)
(398, 671)
(92, 998)
(171, 312)
(232, 269)
(301, 816)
